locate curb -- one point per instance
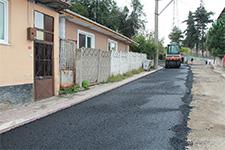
(74, 100)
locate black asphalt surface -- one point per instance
(147, 114)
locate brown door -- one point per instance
(43, 56)
(43, 70)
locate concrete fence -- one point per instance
(122, 62)
(94, 65)
(219, 61)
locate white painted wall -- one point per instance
(122, 62)
(219, 61)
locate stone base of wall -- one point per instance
(16, 94)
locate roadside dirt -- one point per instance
(207, 117)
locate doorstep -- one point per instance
(23, 114)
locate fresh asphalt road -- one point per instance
(147, 114)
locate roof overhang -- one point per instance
(85, 22)
(56, 4)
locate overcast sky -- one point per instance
(166, 18)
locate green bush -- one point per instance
(85, 84)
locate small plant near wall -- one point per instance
(71, 90)
(85, 84)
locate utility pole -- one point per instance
(156, 60)
(157, 13)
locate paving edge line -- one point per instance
(20, 122)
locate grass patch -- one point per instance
(116, 78)
(70, 90)
(120, 77)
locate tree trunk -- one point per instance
(197, 48)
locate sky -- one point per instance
(166, 18)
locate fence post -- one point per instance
(99, 66)
(80, 66)
(74, 64)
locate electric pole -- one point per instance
(156, 33)
(157, 13)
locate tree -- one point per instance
(146, 44)
(191, 36)
(107, 13)
(195, 34)
(202, 19)
(216, 38)
(135, 21)
(176, 35)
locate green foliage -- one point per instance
(135, 20)
(120, 77)
(85, 84)
(147, 45)
(70, 90)
(185, 50)
(216, 38)
(202, 19)
(191, 36)
(116, 78)
(106, 12)
(137, 71)
(176, 35)
(195, 33)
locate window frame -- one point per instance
(112, 41)
(44, 30)
(5, 22)
(87, 34)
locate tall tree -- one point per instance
(176, 35)
(135, 21)
(216, 38)
(202, 19)
(191, 36)
(106, 12)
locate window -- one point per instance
(173, 49)
(86, 40)
(3, 21)
(112, 45)
(45, 26)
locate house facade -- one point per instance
(30, 34)
(89, 34)
(29, 49)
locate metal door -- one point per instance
(43, 56)
(43, 70)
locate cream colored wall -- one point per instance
(16, 58)
(101, 40)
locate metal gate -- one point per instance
(43, 70)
